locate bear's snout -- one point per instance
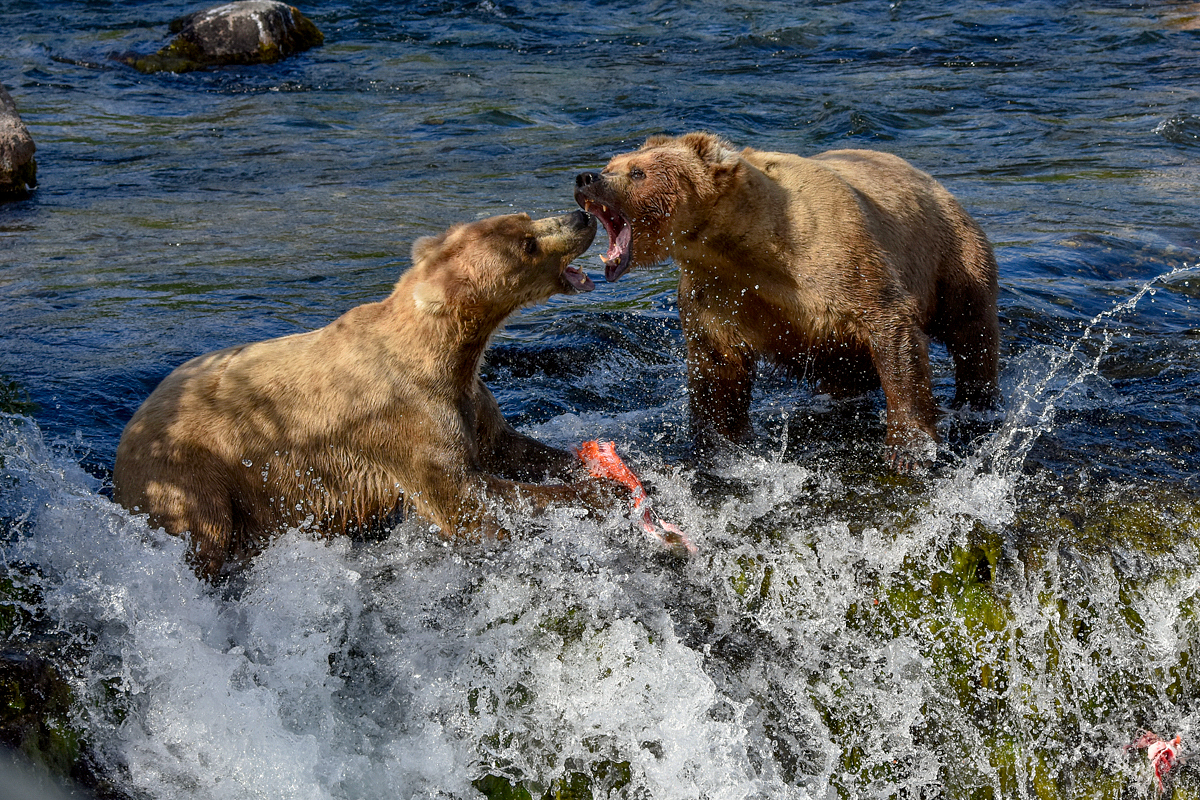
(586, 179)
(578, 220)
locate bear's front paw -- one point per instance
(599, 494)
(914, 457)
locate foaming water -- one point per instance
(403, 668)
(834, 634)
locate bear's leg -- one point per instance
(202, 516)
(967, 321)
(466, 504)
(901, 355)
(975, 347)
(210, 526)
(505, 452)
(720, 385)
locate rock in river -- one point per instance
(245, 32)
(18, 170)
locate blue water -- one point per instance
(179, 214)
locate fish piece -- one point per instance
(1163, 754)
(602, 461)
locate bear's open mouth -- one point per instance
(620, 232)
(578, 279)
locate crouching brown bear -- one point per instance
(380, 411)
(837, 267)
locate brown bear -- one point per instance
(836, 267)
(379, 412)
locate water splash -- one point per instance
(839, 634)
(402, 668)
(1041, 393)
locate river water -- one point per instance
(1002, 627)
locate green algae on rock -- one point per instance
(604, 779)
(14, 399)
(246, 32)
(37, 705)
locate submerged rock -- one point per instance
(18, 170)
(246, 32)
(36, 701)
(1183, 18)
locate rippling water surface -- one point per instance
(1000, 628)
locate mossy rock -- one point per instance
(14, 399)
(39, 709)
(36, 712)
(604, 778)
(246, 32)
(16, 600)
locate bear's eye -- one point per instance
(636, 174)
(530, 245)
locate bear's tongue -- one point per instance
(578, 279)
(616, 260)
(620, 233)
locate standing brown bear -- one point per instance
(380, 410)
(836, 267)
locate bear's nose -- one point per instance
(586, 179)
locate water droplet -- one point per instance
(247, 462)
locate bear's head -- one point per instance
(646, 197)
(486, 270)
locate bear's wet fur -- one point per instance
(838, 267)
(380, 412)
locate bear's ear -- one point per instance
(429, 296)
(657, 140)
(717, 155)
(712, 150)
(424, 247)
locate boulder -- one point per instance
(244, 32)
(18, 170)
